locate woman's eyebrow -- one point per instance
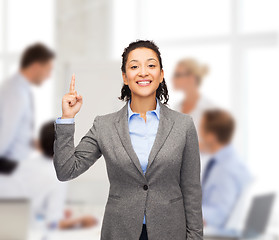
(151, 59)
(134, 60)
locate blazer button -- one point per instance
(145, 187)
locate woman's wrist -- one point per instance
(65, 117)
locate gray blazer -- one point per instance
(169, 193)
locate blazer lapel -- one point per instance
(164, 128)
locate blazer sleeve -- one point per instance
(70, 161)
(190, 183)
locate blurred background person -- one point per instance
(17, 106)
(188, 77)
(36, 180)
(225, 175)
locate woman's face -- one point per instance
(143, 73)
(183, 80)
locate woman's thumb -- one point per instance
(79, 98)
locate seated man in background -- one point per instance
(225, 174)
(37, 181)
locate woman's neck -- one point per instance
(143, 104)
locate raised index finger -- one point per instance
(72, 85)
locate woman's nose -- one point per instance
(143, 71)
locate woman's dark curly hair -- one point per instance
(162, 90)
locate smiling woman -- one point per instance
(151, 153)
(144, 71)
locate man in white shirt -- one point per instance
(16, 106)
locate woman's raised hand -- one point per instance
(71, 102)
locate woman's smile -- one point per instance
(144, 82)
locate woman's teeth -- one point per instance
(144, 83)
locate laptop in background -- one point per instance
(256, 221)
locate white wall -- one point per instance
(82, 36)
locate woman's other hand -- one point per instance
(71, 102)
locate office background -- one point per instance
(238, 39)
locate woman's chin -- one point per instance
(144, 93)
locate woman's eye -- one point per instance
(152, 65)
(133, 67)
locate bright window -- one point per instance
(23, 23)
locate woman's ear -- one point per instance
(37, 145)
(162, 76)
(125, 80)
